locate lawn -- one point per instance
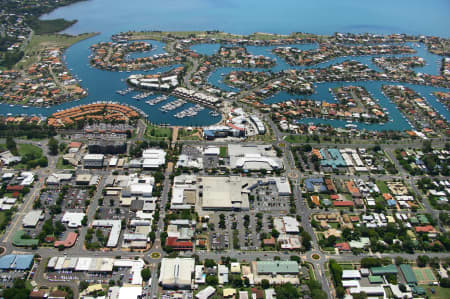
(61, 165)
(440, 293)
(347, 266)
(383, 187)
(158, 133)
(295, 138)
(25, 149)
(188, 135)
(223, 152)
(2, 216)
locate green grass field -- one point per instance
(61, 165)
(383, 187)
(223, 152)
(158, 133)
(188, 135)
(24, 149)
(29, 149)
(439, 293)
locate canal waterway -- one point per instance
(243, 17)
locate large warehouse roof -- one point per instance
(176, 272)
(223, 193)
(408, 273)
(279, 267)
(17, 262)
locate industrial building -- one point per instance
(253, 157)
(409, 275)
(116, 227)
(184, 192)
(277, 267)
(213, 132)
(223, 193)
(32, 218)
(108, 147)
(93, 160)
(16, 262)
(58, 178)
(98, 265)
(73, 219)
(176, 273)
(276, 272)
(258, 123)
(153, 158)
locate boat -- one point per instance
(157, 100)
(172, 105)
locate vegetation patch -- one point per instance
(158, 133)
(51, 26)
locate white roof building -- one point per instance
(253, 157)
(31, 219)
(176, 272)
(153, 158)
(57, 178)
(73, 219)
(206, 293)
(351, 274)
(212, 151)
(223, 274)
(116, 227)
(27, 178)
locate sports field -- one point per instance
(424, 275)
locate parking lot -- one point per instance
(266, 198)
(245, 228)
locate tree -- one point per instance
(53, 146)
(369, 262)
(399, 260)
(422, 260)
(287, 291)
(265, 284)
(18, 290)
(84, 221)
(11, 145)
(146, 274)
(212, 280)
(209, 263)
(83, 285)
(236, 281)
(336, 272)
(340, 292)
(426, 146)
(445, 282)
(361, 295)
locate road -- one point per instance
(302, 209)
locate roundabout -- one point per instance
(314, 256)
(155, 255)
